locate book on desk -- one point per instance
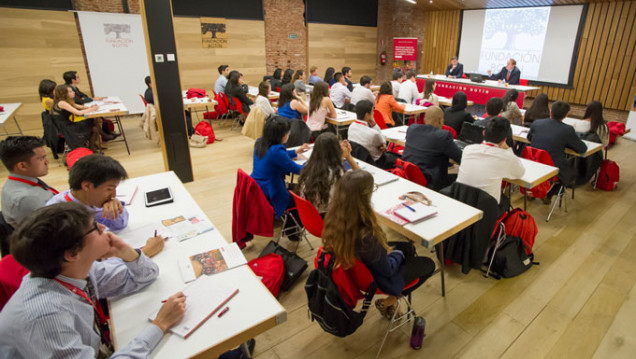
(211, 262)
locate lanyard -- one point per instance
(34, 184)
(488, 144)
(361, 123)
(68, 198)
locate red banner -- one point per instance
(477, 94)
(405, 48)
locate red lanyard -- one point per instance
(361, 123)
(68, 198)
(488, 144)
(34, 184)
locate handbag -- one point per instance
(198, 141)
(294, 265)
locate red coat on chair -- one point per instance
(11, 274)
(251, 211)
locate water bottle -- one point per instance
(503, 82)
(431, 74)
(417, 334)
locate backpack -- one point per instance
(326, 305)
(608, 176)
(271, 269)
(615, 129)
(507, 256)
(195, 93)
(409, 171)
(519, 223)
(205, 129)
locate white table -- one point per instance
(520, 133)
(196, 103)
(252, 311)
(396, 135)
(111, 106)
(9, 112)
(486, 83)
(344, 118)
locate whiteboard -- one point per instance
(116, 55)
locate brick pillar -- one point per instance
(285, 35)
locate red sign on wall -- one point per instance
(405, 48)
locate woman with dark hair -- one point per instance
(287, 76)
(510, 108)
(329, 76)
(456, 115)
(352, 233)
(323, 169)
(272, 161)
(592, 128)
(69, 117)
(299, 81)
(234, 88)
(276, 83)
(262, 100)
(386, 104)
(429, 96)
(538, 111)
(594, 117)
(320, 108)
(46, 89)
(290, 105)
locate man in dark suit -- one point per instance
(554, 136)
(72, 79)
(429, 147)
(455, 69)
(510, 73)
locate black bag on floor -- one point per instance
(507, 256)
(294, 265)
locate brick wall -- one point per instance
(282, 18)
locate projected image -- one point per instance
(514, 33)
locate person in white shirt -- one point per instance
(485, 165)
(262, 100)
(339, 91)
(219, 85)
(429, 95)
(362, 92)
(398, 78)
(408, 89)
(365, 132)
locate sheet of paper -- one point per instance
(136, 237)
(211, 262)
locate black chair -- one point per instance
(53, 138)
(360, 152)
(5, 231)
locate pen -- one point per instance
(155, 233)
(223, 312)
(409, 207)
(165, 300)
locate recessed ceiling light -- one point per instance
(411, 1)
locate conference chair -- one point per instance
(143, 100)
(252, 214)
(310, 219)
(377, 116)
(523, 82)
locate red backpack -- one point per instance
(409, 171)
(271, 269)
(520, 223)
(195, 93)
(608, 176)
(205, 129)
(534, 154)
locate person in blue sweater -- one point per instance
(352, 233)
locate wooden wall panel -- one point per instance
(339, 45)
(606, 63)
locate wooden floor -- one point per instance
(580, 302)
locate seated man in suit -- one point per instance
(365, 132)
(485, 165)
(55, 310)
(25, 159)
(148, 96)
(494, 107)
(430, 148)
(554, 136)
(509, 73)
(455, 69)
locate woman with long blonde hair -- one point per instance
(352, 233)
(70, 115)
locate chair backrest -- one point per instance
(11, 274)
(360, 152)
(309, 216)
(144, 100)
(352, 282)
(237, 105)
(537, 155)
(409, 171)
(451, 130)
(523, 82)
(377, 116)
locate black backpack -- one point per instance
(507, 256)
(326, 305)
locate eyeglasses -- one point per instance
(375, 187)
(94, 228)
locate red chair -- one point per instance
(144, 100)
(11, 274)
(451, 130)
(541, 190)
(309, 216)
(252, 214)
(377, 116)
(409, 171)
(523, 82)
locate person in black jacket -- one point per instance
(347, 73)
(429, 147)
(456, 115)
(275, 81)
(234, 88)
(455, 69)
(509, 73)
(554, 136)
(72, 79)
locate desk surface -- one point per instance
(9, 111)
(520, 133)
(344, 118)
(396, 134)
(445, 101)
(110, 106)
(411, 109)
(253, 309)
(487, 83)
(190, 103)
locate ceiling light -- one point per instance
(411, 1)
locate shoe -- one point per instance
(386, 312)
(546, 200)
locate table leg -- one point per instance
(16, 123)
(525, 198)
(439, 249)
(121, 131)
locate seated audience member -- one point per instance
(594, 124)
(262, 100)
(362, 92)
(554, 136)
(329, 76)
(287, 77)
(430, 148)
(365, 132)
(320, 108)
(148, 96)
(347, 73)
(234, 88)
(352, 233)
(539, 109)
(494, 106)
(455, 69)
(23, 192)
(386, 104)
(509, 73)
(290, 105)
(485, 165)
(408, 89)
(299, 81)
(272, 161)
(510, 108)
(276, 80)
(313, 75)
(46, 91)
(221, 81)
(78, 132)
(72, 79)
(339, 91)
(428, 95)
(325, 166)
(398, 78)
(56, 306)
(456, 115)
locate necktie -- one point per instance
(508, 76)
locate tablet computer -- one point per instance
(157, 197)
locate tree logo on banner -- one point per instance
(213, 32)
(118, 30)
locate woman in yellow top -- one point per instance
(46, 93)
(67, 113)
(386, 104)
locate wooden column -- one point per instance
(166, 85)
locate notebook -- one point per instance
(380, 177)
(126, 191)
(415, 212)
(211, 262)
(204, 297)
